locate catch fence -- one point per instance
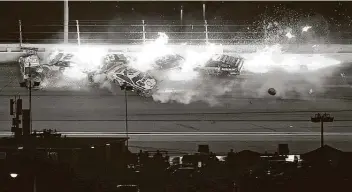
(138, 32)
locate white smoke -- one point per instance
(151, 51)
(292, 75)
(271, 67)
(86, 59)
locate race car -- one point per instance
(222, 66)
(116, 58)
(30, 69)
(57, 62)
(169, 61)
(109, 61)
(142, 83)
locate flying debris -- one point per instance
(306, 28)
(272, 91)
(289, 35)
(311, 91)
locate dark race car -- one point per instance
(116, 58)
(142, 83)
(109, 61)
(222, 65)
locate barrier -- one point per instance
(178, 31)
(290, 48)
(6, 57)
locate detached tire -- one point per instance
(272, 91)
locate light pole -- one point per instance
(30, 97)
(78, 34)
(66, 19)
(20, 30)
(322, 118)
(204, 18)
(126, 88)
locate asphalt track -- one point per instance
(239, 122)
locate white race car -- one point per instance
(30, 69)
(169, 61)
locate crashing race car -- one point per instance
(109, 61)
(222, 66)
(57, 62)
(142, 83)
(116, 58)
(218, 65)
(169, 61)
(30, 69)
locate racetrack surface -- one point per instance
(100, 111)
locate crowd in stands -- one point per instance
(324, 169)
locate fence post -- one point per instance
(66, 21)
(20, 31)
(78, 34)
(143, 31)
(181, 15)
(265, 34)
(206, 31)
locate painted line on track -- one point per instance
(194, 134)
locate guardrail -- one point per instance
(290, 48)
(195, 32)
(343, 53)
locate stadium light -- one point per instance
(13, 175)
(126, 88)
(318, 118)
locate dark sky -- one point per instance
(51, 12)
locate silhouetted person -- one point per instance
(167, 157)
(158, 155)
(230, 154)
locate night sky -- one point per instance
(51, 12)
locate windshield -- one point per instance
(30, 70)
